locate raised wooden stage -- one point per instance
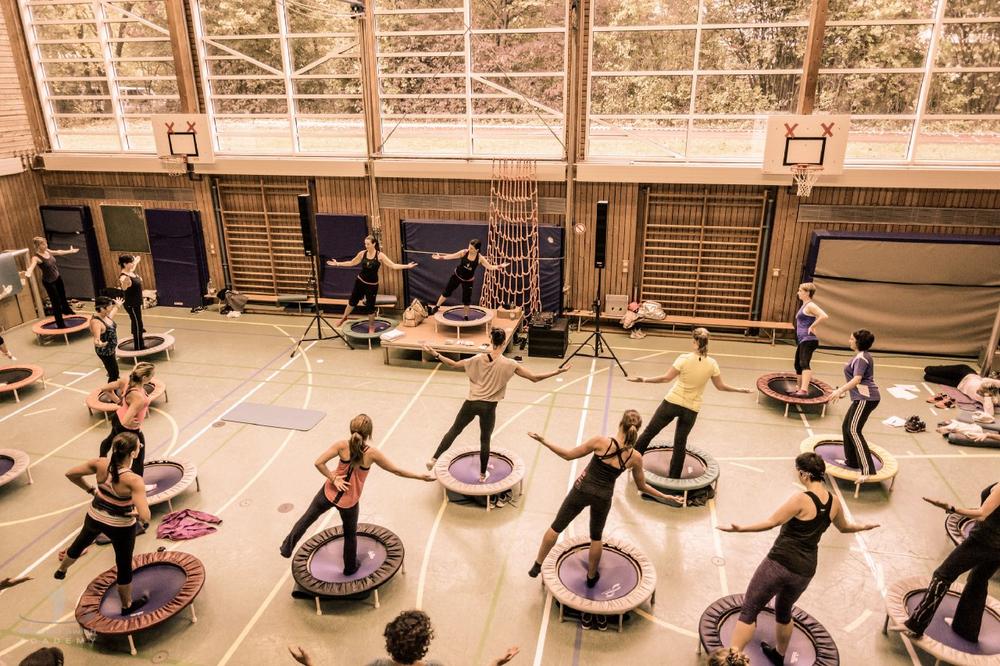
(444, 340)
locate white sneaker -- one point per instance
(484, 477)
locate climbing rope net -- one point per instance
(513, 237)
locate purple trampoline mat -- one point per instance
(161, 581)
(657, 461)
(14, 375)
(833, 454)
(71, 322)
(788, 384)
(149, 340)
(458, 314)
(327, 563)
(619, 574)
(163, 475)
(967, 525)
(940, 627)
(465, 468)
(801, 650)
(6, 464)
(361, 327)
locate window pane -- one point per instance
(427, 137)
(642, 138)
(853, 10)
(254, 136)
(644, 50)
(617, 95)
(868, 93)
(528, 137)
(726, 138)
(970, 45)
(959, 140)
(872, 140)
(342, 137)
(753, 48)
(248, 17)
(629, 12)
(532, 52)
(970, 92)
(972, 8)
(758, 93)
(492, 15)
(430, 22)
(761, 11)
(544, 92)
(875, 46)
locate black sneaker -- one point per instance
(591, 582)
(772, 654)
(601, 621)
(535, 569)
(587, 620)
(136, 605)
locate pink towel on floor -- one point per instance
(186, 524)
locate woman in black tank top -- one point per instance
(790, 565)
(979, 554)
(366, 282)
(131, 285)
(45, 260)
(105, 334)
(596, 486)
(465, 273)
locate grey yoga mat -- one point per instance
(274, 416)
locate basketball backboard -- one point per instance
(186, 135)
(816, 140)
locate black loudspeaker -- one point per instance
(308, 221)
(601, 234)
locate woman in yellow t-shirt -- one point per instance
(692, 372)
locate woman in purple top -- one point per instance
(859, 373)
(808, 317)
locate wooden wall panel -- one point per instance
(15, 129)
(20, 195)
(197, 193)
(623, 216)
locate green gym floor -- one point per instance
(465, 567)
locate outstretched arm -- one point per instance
(528, 374)
(451, 363)
(841, 523)
(449, 255)
(723, 386)
(345, 264)
(991, 504)
(382, 461)
(669, 376)
(564, 453)
(59, 253)
(384, 258)
(31, 267)
(639, 475)
(490, 266)
(785, 512)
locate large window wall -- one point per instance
(103, 67)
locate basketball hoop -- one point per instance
(806, 176)
(174, 165)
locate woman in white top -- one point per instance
(968, 381)
(692, 372)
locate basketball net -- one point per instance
(513, 237)
(174, 165)
(806, 176)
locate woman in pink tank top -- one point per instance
(343, 487)
(130, 416)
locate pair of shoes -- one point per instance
(637, 334)
(944, 403)
(915, 424)
(501, 500)
(601, 622)
(937, 398)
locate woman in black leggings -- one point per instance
(980, 555)
(45, 259)
(595, 487)
(131, 285)
(791, 564)
(465, 273)
(366, 282)
(119, 498)
(105, 332)
(860, 375)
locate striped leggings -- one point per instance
(856, 451)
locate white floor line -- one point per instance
(76, 374)
(666, 625)
(858, 621)
(749, 467)
(717, 542)
(56, 512)
(48, 394)
(927, 388)
(41, 411)
(64, 444)
(48, 553)
(543, 628)
(425, 562)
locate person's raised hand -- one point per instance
(428, 477)
(510, 654)
(635, 378)
(300, 655)
(11, 582)
(437, 255)
(332, 262)
(938, 503)
(535, 436)
(731, 528)
(412, 264)
(119, 303)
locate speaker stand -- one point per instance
(318, 320)
(596, 340)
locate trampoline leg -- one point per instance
(66, 338)
(28, 472)
(652, 600)
(892, 482)
(166, 398)
(17, 398)
(194, 618)
(561, 613)
(170, 505)
(885, 626)
(376, 599)
(786, 410)
(857, 489)
(319, 611)
(402, 565)
(197, 484)
(822, 414)
(131, 646)
(168, 353)
(621, 618)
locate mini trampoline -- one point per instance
(831, 449)
(700, 471)
(456, 318)
(458, 472)
(318, 565)
(13, 463)
(811, 643)
(13, 378)
(170, 478)
(170, 578)
(358, 329)
(155, 343)
(939, 640)
(958, 527)
(777, 386)
(105, 402)
(46, 329)
(627, 580)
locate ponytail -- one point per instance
(700, 335)
(361, 432)
(141, 374)
(122, 447)
(630, 424)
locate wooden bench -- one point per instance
(381, 300)
(680, 320)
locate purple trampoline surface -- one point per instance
(788, 384)
(458, 314)
(966, 525)
(163, 475)
(833, 454)
(161, 581)
(6, 464)
(940, 627)
(327, 563)
(71, 321)
(658, 462)
(361, 327)
(619, 575)
(801, 649)
(465, 468)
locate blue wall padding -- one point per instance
(339, 237)
(422, 238)
(180, 263)
(67, 226)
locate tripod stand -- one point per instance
(596, 339)
(318, 319)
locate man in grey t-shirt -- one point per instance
(488, 376)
